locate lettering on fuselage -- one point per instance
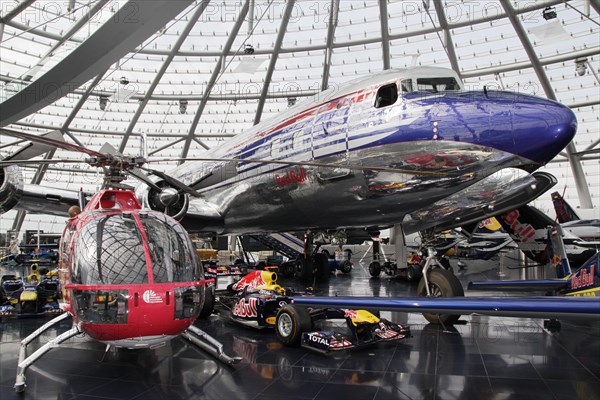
(291, 177)
(523, 231)
(583, 279)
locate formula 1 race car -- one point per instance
(35, 294)
(260, 302)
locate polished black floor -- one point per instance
(486, 358)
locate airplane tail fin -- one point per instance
(564, 212)
(556, 254)
(530, 228)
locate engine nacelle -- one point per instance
(11, 187)
(168, 200)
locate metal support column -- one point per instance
(580, 182)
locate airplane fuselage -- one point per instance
(443, 142)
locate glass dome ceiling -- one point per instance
(204, 71)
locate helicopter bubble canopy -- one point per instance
(124, 248)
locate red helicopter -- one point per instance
(130, 277)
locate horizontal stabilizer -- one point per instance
(520, 285)
(530, 307)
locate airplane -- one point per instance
(528, 228)
(588, 230)
(130, 277)
(408, 146)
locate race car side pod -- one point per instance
(529, 307)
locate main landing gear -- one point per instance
(438, 282)
(312, 265)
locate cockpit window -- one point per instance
(109, 251)
(437, 84)
(170, 250)
(386, 96)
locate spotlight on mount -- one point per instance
(124, 81)
(183, 106)
(549, 13)
(249, 49)
(581, 66)
(291, 101)
(103, 101)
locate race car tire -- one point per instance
(20, 259)
(442, 283)
(321, 263)
(209, 302)
(304, 269)
(326, 252)
(346, 267)
(375, 269)
(290, 322)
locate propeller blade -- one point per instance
(31, 149)
(173, 182)
(141, 176)
(49, 141)
(303, 164)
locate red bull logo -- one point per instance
(523, 231)
(293, 176)
(246, 309)
(583, 278)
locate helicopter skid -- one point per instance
(209, 344)
(142, 342)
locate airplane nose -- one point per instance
(542, 128)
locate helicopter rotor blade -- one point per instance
(49, 141)
(32, 149)
(5, 163)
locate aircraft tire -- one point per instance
(287, 269)
(304, 269)
(442, 283)
(375, 269)
(346, 267)
(321, 264)
(290, 322)
(411, 273)
(209, 302)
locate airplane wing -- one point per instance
(501, 192)
(521, 285)
(530, 307)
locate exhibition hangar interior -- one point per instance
(178, 79)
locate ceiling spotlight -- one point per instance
(581, 66)
(291, 101)
(124, 81)
(249, 49)
(549, 13)
(183, 106)
(103, 101)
